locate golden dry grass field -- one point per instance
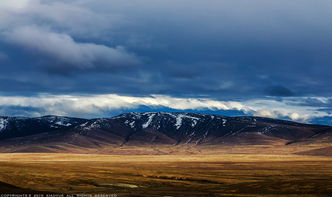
(167, 175)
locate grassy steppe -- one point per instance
(168, 175)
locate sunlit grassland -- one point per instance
(170, 175)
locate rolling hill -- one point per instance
(157, 129)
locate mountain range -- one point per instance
(66, 134)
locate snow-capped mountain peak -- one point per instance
(161, 127)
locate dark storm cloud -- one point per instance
(219, 49)
(216, 48)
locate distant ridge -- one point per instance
(57, 134)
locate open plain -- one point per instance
(200, 174)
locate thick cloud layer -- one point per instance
(215, 49)
(296, 109)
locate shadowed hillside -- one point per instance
(64, 134)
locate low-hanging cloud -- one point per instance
(99, 105)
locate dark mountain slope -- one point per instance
(19, 126)
(52, 133)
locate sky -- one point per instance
(89, 58)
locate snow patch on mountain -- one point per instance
(57, 121)
(147, 124)
(130, 123)
(84, 124)
(194, 122)
(61, 123)
(3, 124)
(180, 117)
(170, 114)
(95, 125)
(224, 121)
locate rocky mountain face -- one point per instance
(11, 127)
(157, 128)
